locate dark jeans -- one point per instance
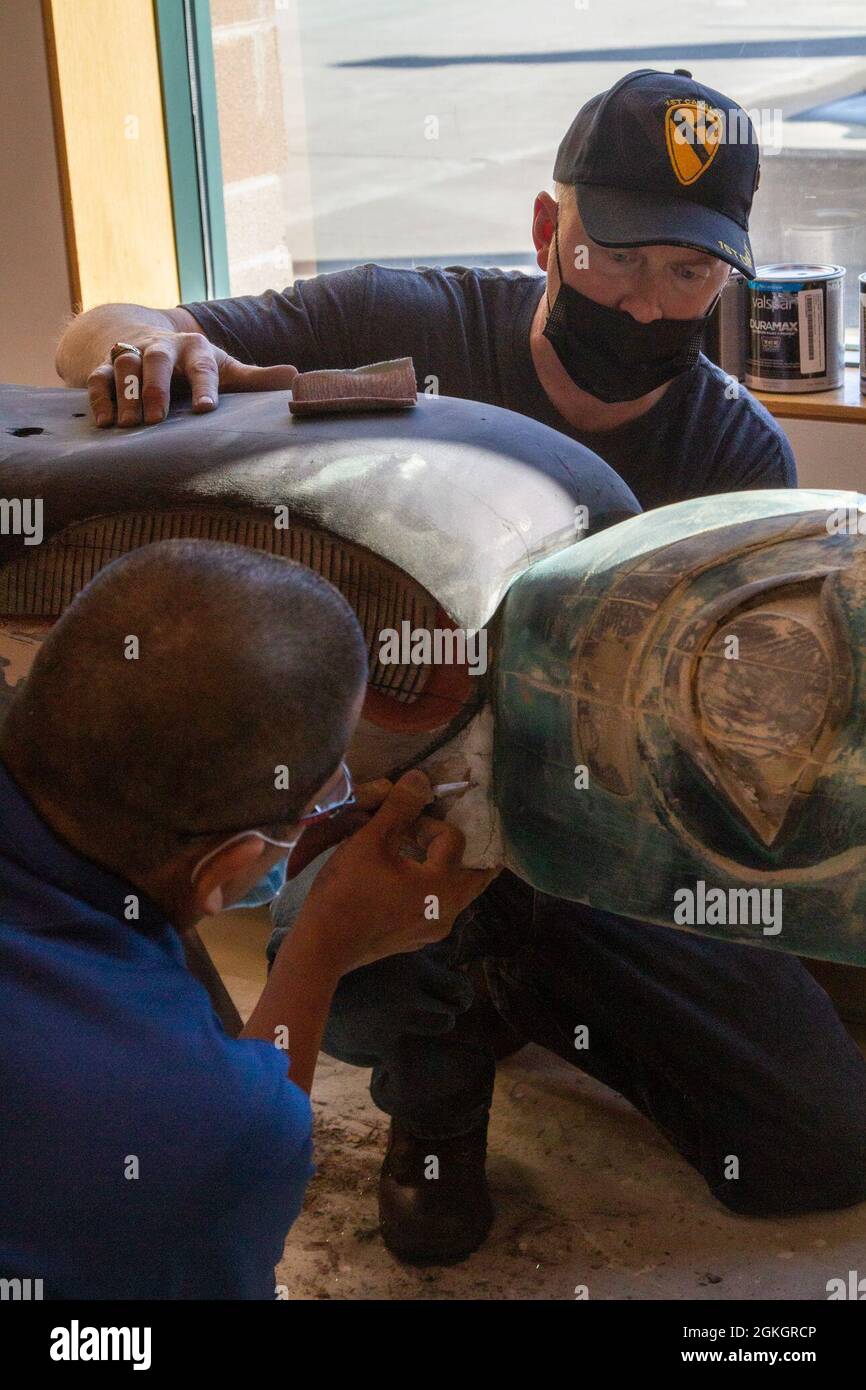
(734, 1052)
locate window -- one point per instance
(405, 133)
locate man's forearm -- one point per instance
(294, 1005)
(88, 339)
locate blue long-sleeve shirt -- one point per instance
(143, 1152)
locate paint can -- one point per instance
(795, 328)
(725, 337)
(863, 334)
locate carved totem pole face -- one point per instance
(685, 694)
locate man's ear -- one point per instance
(543, 223)
(209, 890)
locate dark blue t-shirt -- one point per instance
(143, 1152)
(469, 330)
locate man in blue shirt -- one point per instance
(182, 725)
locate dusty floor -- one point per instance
(587, 1193)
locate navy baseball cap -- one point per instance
(662, 159)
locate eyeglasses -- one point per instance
(342, 796)
(338, 798)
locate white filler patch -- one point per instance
(469, 757)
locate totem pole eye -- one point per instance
(754, 695)
(771, 688)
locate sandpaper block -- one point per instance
(379, 386)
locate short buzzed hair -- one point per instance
(191, 687)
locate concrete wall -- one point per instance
(262, 137)
(34, 278)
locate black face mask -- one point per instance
(609, 354)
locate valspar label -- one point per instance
(794, 339)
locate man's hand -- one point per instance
(371, 901)
(324, 835)
(136, 390)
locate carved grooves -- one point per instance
(42, 581)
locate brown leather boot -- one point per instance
(434, 1204)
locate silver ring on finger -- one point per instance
(122, 349)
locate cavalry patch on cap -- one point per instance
(693, 133)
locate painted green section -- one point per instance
(650, 531)
(192, 137)
(612, 625)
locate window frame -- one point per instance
(189, 101)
